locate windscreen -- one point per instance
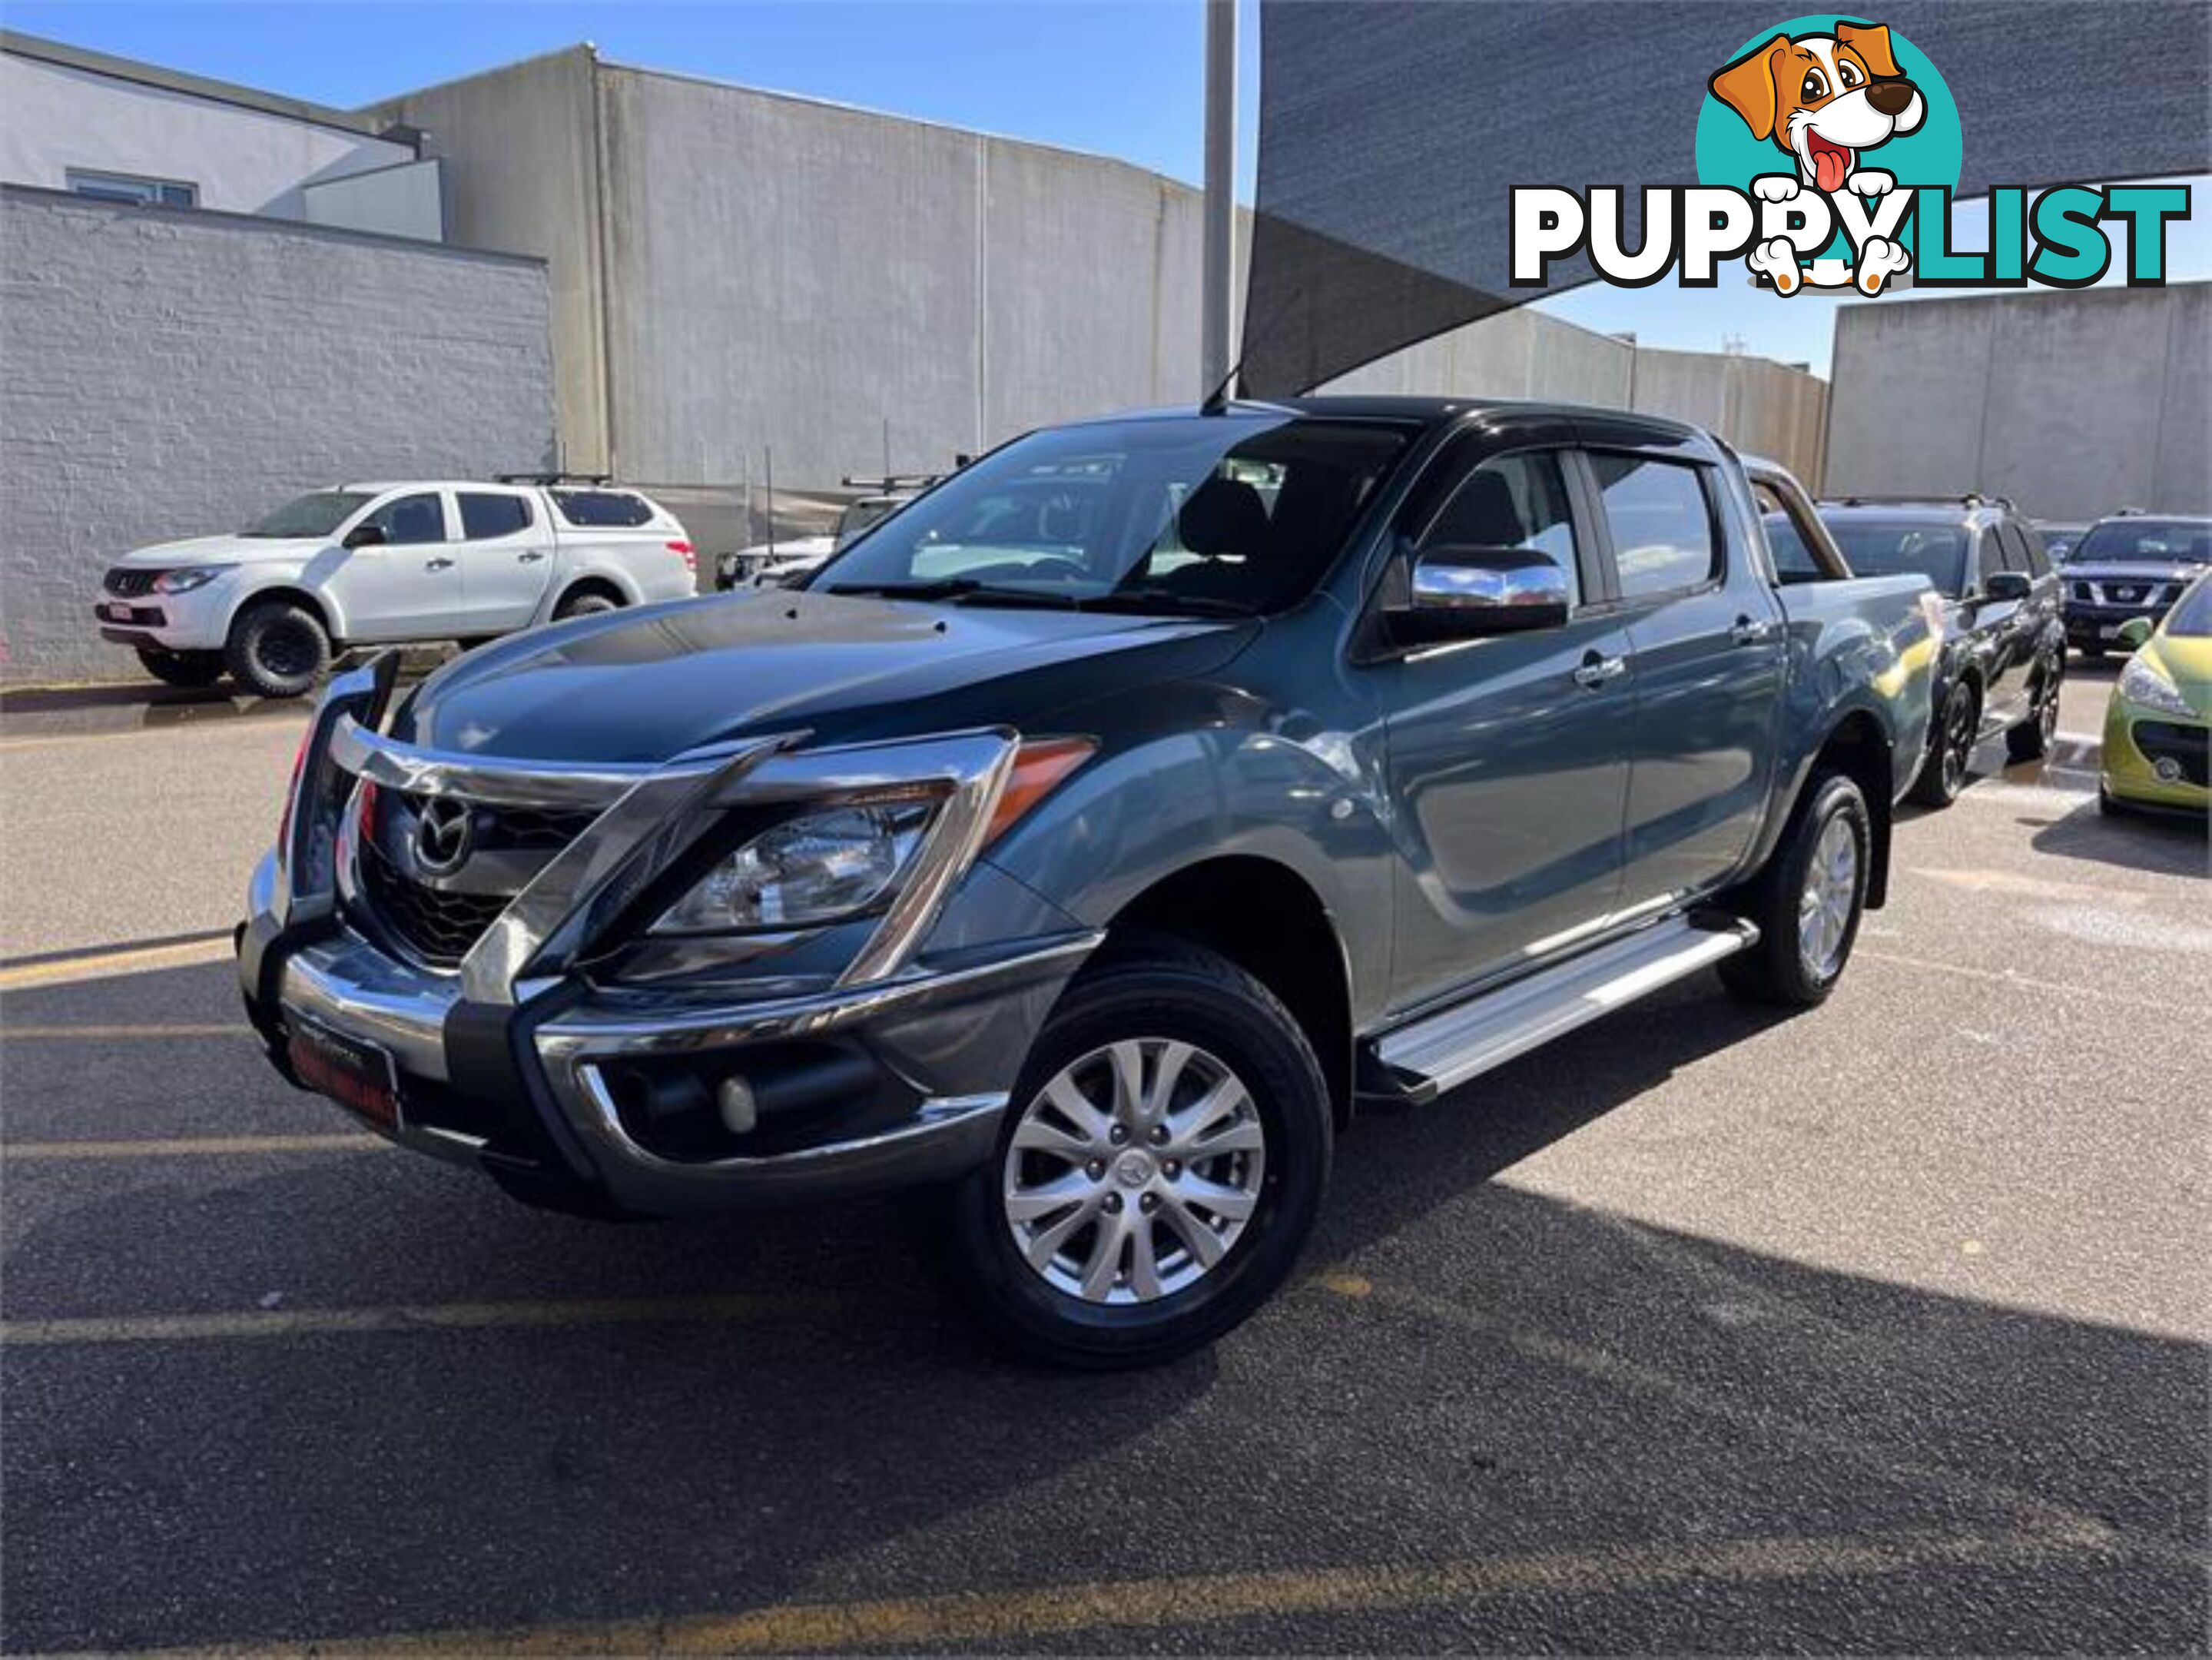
(1899, 547)
(2191, 619)
(318, 515)
(2147, 542)
(1204, 515)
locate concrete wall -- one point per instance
(1764, 408)
(848, 289)
(521, 166)
(405, 200)
(168, 373)
(2072, 404)
(53, 118)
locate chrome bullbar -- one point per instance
(648, 816)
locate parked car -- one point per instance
(2059, 537)
(778, 564)
(2128, 566)
(2158, 725)
(1347, 749)
(372, 564)
(2003, 658)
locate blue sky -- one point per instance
(1118, 78)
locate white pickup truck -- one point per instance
(367, 563)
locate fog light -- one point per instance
(733, 1100)
(2167, 769)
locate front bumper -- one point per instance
(600, 1096)
(2155, 759)
(196, 620)
(2099, 626)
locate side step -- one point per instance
(1443, 1050)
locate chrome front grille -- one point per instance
(124, 583)
(435, 908)
(2149, 592)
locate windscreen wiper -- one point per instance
(1150, 596)
(961, 591)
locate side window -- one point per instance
(1517, 500)
(2039, 556)
(1793, 559)
(1989, 556)
(2015, 550)
(1662, 524)
(484, 515)
(602, 510)
(407, 519)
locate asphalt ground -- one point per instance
(1880, 1327)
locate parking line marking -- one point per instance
(188, 1146)
(728, 1308)
(112, 1034)
(2022, 981)
(102, 965)
(1194, 1600)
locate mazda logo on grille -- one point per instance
(444, 836)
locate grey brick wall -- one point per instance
(166, 374)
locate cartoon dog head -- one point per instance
(1823, 98)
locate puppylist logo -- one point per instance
(1828, 152)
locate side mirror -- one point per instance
(2135, 633)
(1462, 591)
(365, 536)
(2009, 585)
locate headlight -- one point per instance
(806, 871)
(2142, 682)
(191, 577)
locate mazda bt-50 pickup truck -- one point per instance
(1091, 839)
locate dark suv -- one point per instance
(2130, 565)
(1094, 863)
(2003, 658)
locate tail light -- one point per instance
(688, 554)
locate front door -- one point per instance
(1708, 651)
(408, 586)
(1504, 755)
(506, 554)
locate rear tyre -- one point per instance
(192, 669)
(2032, 738)
(1808, 900)
(589, 603)
(1950, 749)
(277, 650)
(1158, 1172)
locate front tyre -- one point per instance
(190, 669)
(1951, 749)
(1159, 1168)
(1808, 901)
(277, 650)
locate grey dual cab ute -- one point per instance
(1091, 867)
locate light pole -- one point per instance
(1217, 281)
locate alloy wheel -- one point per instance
(1824, 908)
(1134, 1172)
(1958, 740)
(286, 650)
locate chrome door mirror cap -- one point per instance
(1463, 590)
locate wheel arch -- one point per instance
(591, 578)
(318, 607)
(1269, 920)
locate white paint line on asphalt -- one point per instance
(187, 1147)
(109, 964)
(2006, 977)
(153, 1031)
(1018, 1618)
(556, 1313)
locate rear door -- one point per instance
(1709, 653)
(506, 555)
(1504, 757)
(408, 586)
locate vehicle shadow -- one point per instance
(1542, 1377)
(2169, 846)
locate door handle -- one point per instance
(1748, 631)
(530, 558)
(1596, 670)
(437, 565)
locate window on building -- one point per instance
(128, 187)
(484, 515)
